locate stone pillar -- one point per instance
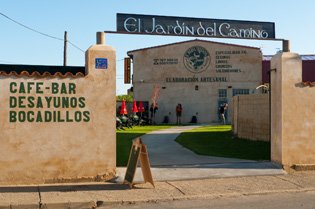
(292, 110)
(100, 61)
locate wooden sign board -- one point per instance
(127, 62)
(138, 150)
(133, 161)
(145, 165)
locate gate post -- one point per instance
(292, 111)
(100, 65)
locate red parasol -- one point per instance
(141, 108)
(134, 107)
(123, 109)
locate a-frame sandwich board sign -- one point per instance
(138, 150)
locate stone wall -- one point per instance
(251, 117)
(60, 127)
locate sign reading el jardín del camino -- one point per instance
(184, 26)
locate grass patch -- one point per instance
(124, 140)
(218, 141)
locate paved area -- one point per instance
(171, 161)
(178, 174)
(189, 172)
(101, 194)
(164, 151)
(283, 200)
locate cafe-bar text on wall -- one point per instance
(184, 26)
(38, 102)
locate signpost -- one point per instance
(187, 26)
(138, 150)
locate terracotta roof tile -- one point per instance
(41, 71)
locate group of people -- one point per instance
(179, 109)
(153, 109)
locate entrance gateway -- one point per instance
(208, 82)
(45, 142)
(201, 75)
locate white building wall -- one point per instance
(159, 67)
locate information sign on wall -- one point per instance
(101, 63)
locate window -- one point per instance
(222, 93)
(240, 91)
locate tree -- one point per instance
(127, 98)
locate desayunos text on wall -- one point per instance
(46, 102)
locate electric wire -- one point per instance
(47, 35)
(75, 46)
(36, 31)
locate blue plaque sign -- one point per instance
(101, 63)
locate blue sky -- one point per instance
(294, 20)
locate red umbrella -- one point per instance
(141, 108)
(123, 109)
(134, 107)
